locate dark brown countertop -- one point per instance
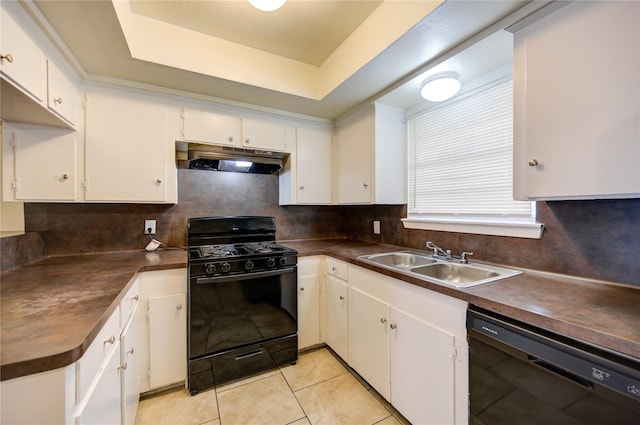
(600, 313)
(51, 310)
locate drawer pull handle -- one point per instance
(110, 340)
(7, 57)
(257, 352)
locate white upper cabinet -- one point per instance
(62, 94)
(129, 148)
(39, 163)
(31, 93)
(22, 62)
(205, 126)
(371, 157)
(577, 102)
(306, 175)
(264, 134)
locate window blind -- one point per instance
(461, 159)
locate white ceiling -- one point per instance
(352, 50)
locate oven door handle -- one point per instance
(245, 276)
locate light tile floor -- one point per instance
(318, 390)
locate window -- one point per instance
(461, 165)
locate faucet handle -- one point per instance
(464, 256)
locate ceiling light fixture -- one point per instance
(267, 5)
(441, 87)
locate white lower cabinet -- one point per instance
(409, 344)
(336, 305)
(369, 347)
(102, 404)
(422, 370)
(309, 278)
(163, 327)
(130, 369)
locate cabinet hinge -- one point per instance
(84, 102)
(15, 185)
(182, 123)
(14, 144)
(454, 353)
(85, 184)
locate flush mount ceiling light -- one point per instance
(267, 5)
(441, 87)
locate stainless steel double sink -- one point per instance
(423, 266)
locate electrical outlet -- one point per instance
(376, 227)
(149, 227)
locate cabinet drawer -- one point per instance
(98, 351)
(129, 303)
(337, 269)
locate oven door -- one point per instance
(243, 323)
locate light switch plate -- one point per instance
(376, 227)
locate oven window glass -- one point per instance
(237, 312)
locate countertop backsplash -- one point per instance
(594, 239)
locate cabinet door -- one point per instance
(210, 127)
(369, 340)
(61, 96)
(126, 148)
(44, 162)
(422, 370)
(313, 166)
(130, 379)
(167, 340)
(102, 404)
(353, 161)
(577, 103)
(267, 135)
(336, 317)
(308, 311)
(26, 67)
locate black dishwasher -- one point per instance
(523, 375)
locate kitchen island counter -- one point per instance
(52, 309)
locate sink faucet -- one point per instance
(446, 255)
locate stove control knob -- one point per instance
(283, 261)
(210, 268)
(226, 267)
(248, 265)
(271, 262)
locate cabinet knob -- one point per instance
(123, 366)
(179, 307)
(130, 351)
(247, 141)
(341, 298)
(134, 298)
(230, 138)
(383, 320)
(301, 187)
(58, 100)
(533, 163)
(7, 57)
(365, 185)
(65, 177)
(110, 340)
(301, 289)
(158, 181)
(393, 326)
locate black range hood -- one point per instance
(227, 158)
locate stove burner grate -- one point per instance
(217, 251)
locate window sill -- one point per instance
(528, 230)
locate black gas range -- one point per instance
(242, 315)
